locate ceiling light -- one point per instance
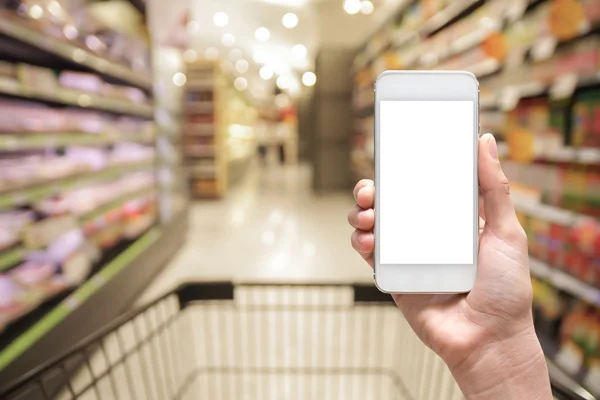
(179, 79)
(36, 11)
(309, 78)
(240, 83)
(367, 7)
(266, 73)
(211, 53)
(241, 66)
(190, 55)
(290, 20)
(299, 51)
(228, 40)
(283, 82)
(220, 19)
(235, 54)
(193, 27)
(352, 6)
(262, 34)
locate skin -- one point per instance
(486, 337)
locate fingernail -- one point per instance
(493, 148)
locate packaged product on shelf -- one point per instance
(12, 224)
(127, 153)
(8, 70)
(541, 232)
(138, 217)
(132, 94)
(522, 34)
(558, 238)
(567, 19)
(580, 338)
(42, 79)
(592, 193)
(549, 305)
(33, 272)
(585, 123)
(11, 300)
(77, 120)
(581, 58)
(574, 188)
(108, 236)
(591, 10)
(81, 81)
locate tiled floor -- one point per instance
(270, 227)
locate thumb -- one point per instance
(500, 214)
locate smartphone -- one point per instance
(426, 185)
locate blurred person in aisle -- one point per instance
(486, 337)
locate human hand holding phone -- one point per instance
(486, 337)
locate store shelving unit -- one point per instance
(203, 133)
(532, 73)
(218, 132)
(44, 322)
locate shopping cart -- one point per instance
(222, 341)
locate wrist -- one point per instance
(511, 369)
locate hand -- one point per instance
(486, 337)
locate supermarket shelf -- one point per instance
(561, 88)
(20, 196)
(443, 17)
(116, 203)
(564, 385)
(106, 295)
(207, 129)
(16, 255)
(565, 282)
(10, 26)
(28, 141)
(74, 98)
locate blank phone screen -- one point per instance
(426, 188)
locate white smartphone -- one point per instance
(426, 185)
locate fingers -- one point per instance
(362, 219)
(361, 184)
(500, 216)
(364, 243)
(364, 193)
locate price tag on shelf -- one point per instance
(564, 86)
(98, 280)
(564, 154)
(544, 48)
(509, 98)
(589, 156)
(72, 303)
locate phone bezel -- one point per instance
(433, 86)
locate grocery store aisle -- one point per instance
(271, 228)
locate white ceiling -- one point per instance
(322, 24)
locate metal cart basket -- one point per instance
(221, 341)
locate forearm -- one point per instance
(511, 370)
